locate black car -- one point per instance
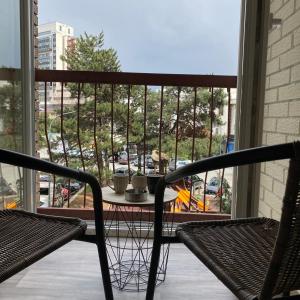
(149, 163)
(74, 187)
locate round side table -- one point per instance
(129, 229)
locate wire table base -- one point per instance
(129, 247)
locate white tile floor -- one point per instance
(72, 272)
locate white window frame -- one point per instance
(250, 95)
(28, 93)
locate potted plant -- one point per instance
(139, 181)
(152, 180)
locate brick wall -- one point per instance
(36, 100)
(36, 63)
(282, 100)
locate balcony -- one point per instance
(78, 281)
(268, 114)
(64, 272)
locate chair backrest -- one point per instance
(284, 270)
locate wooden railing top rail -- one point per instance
(10, 74)
(184, 80)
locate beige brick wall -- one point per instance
(36, 100)
(282, 101)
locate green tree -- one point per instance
(206, 106)
(10, 110)
(89, 54)
(11, 125)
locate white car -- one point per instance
(179, 163)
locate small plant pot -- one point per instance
(152, 181)
(120, 183)
(133, 195)
(139, 182)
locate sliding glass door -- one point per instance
(11, 192)
(13, 100)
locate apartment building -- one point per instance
(53, 41)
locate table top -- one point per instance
(109, 196)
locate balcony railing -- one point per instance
(87, 117)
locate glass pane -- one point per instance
(10, 101)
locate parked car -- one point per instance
(179, 163)
(147, 160)
(124, 170)
(123, 158)
(214, 185)
(57, 151)
(5, 188)
(136, 162)
(74, 187)
(150, 172)
(113, 158)
(44, 202)
(195, 181)
(123, 161)
(150, 164)
(132, 156)
(88, 153)
(74, 152)
(45, 178)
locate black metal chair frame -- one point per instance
(22, 160)
(278, 261)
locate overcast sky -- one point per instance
(160, 36)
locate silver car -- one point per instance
(179, 163)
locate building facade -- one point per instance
(53, 41)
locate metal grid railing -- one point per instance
(119, 109)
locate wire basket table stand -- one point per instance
(128, 231)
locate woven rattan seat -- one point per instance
(27, 237)
(237, 251)
(256, 258)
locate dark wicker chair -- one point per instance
(256, 258)
(27, 237)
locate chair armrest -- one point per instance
(33, 163)
(238, 158)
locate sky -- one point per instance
(158, 36)
(10, 56)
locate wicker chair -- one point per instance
(256, 258)
(27, 237)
